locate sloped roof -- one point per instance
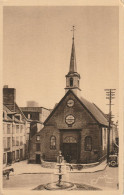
(18, 121)
(8, 119)
(18, 110)
(8, 111)
(5, 108)
(96, 113)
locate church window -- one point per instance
(71, 82)
(53, 143)
(88, 143)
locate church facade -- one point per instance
(75, 126)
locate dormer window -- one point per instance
(29, 116)
(71, 82)
(18, 116)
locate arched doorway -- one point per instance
(70, 149)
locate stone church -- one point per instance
(75, 126)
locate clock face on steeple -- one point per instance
(70, 103)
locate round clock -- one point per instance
(70, 103)
(70, 119)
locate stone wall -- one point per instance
(50, 154)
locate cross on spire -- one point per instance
(73, 78)
(73, 31)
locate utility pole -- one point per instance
(110, 94)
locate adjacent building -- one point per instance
(37, 116)
(16, 129)
(36, 113)
(114, 138)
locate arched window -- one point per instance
(88, 143)
(71, 82)
(53, 142)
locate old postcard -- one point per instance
(62, 100)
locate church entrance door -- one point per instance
(70, 149)
(70, 152)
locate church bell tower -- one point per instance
(73, 78)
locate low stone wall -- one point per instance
(84, 166)
(52, 165)
(80, 166)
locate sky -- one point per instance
(37, 43)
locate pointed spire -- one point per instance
(73, 78)
(73, 67)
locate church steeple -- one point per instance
(73, 78)
(73, 66)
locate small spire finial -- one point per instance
(73, 31)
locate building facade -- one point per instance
(15, 129)
(75, 126)
(37, 116)
(36, 113)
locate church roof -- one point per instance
(93, 110)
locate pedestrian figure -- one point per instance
(71, 168)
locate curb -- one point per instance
(67, 171)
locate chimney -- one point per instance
(9, 97)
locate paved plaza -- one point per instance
(29, 176)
